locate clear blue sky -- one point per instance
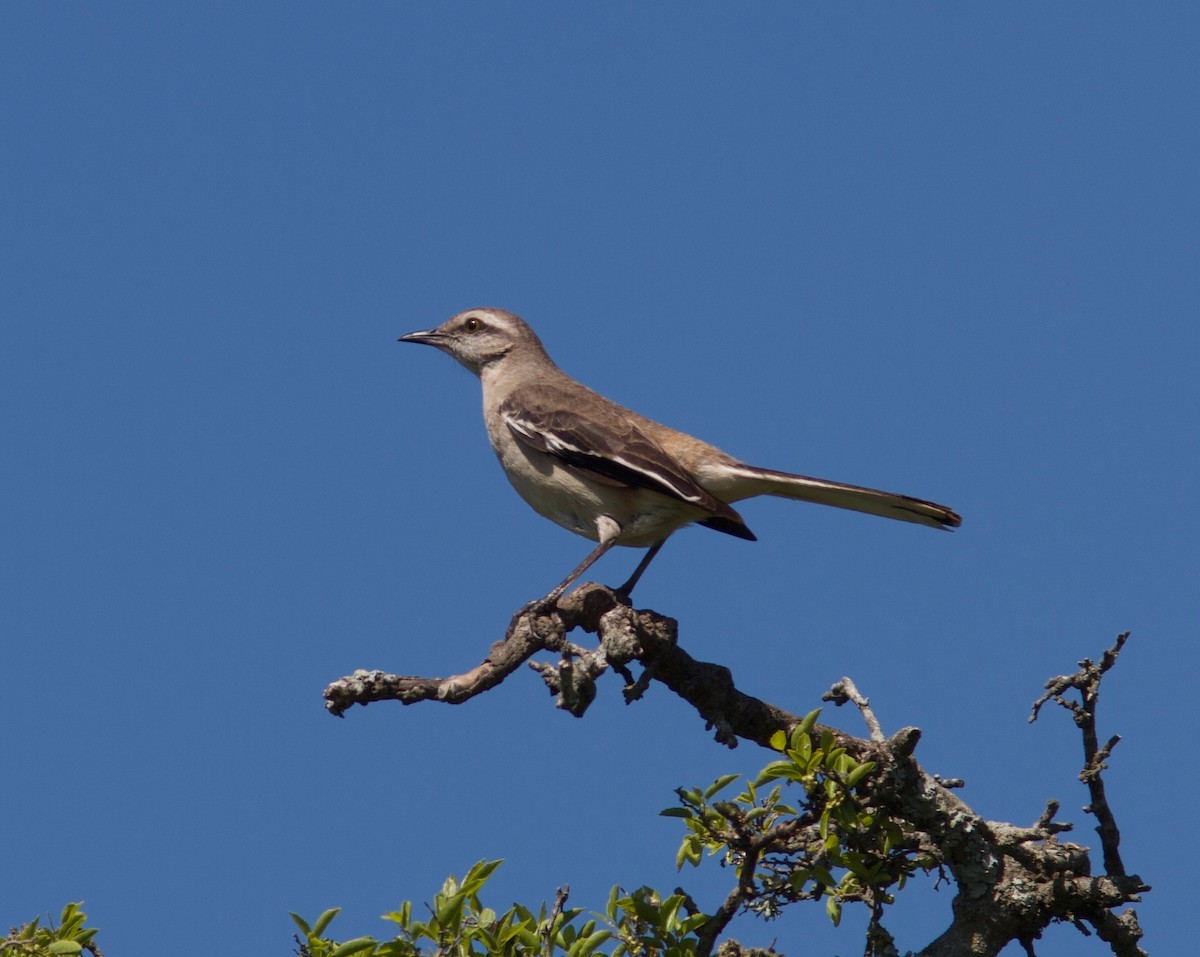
(944, 249)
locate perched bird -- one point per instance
(609, 474)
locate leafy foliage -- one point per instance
(458, 925)
(830, 844)
(45, 940)
(638, 923)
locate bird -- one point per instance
(613, 476)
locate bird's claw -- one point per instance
(539, 606)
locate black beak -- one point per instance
(428, 337)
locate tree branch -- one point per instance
(560, 899)
(1012, 881)
(844, 691)
(1086, 681)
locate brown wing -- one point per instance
(616, 452)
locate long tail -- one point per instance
(755, 481)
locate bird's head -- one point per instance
(479, 337)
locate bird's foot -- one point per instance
(540, 606)
(624, 593)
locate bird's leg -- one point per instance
(627, 589)
(582, 567)
(608, 531)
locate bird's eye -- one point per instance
(472, 325)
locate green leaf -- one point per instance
(323, 921)
(719, 784)
(482, 871)
(833, 907)
(832, 755)
(682, 856)
(778, 740)
(64, 947)
(677, 812)
(587, 944)
(801, 749)
(614, 897)
(524, 914)
(402, 917)
(71, 921)
(301, 923)
(847, 816)
(778, 769)
(806, 725)
(353, 947)
(449, 911)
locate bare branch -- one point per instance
(844, 691)
(528, 633)
(1086, 682)
(560, 899)
(741, 892)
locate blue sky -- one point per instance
(943, 249)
